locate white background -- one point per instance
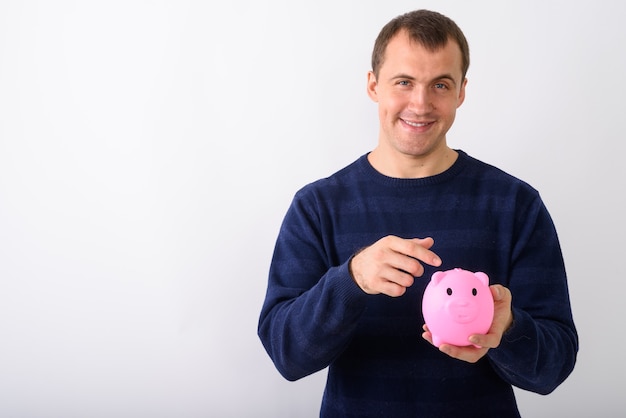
(149, 150)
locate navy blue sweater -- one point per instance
(481, 219)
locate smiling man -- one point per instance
(357, 249)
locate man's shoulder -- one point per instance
(489, 172)
(344, 177)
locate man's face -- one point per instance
(418, 92)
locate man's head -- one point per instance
(418, 80)
(430, 29)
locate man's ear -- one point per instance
(371, 86)
(462, 93)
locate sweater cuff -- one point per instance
(347, 289)
(516, 331)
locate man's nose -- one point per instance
(421, 101)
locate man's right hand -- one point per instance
(390, 265)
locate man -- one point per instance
(356, 251)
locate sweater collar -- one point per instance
(378, 177)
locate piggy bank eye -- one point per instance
(474, 291)
(449, 291)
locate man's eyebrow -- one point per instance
(446, 77)
(402, 76)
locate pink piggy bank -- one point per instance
(456, 304)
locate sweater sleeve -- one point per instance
(539, 351)
(311, 307)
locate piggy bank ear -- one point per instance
(437, 277)
(482, 277)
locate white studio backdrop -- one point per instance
(149, 150)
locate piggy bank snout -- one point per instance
(462, 310)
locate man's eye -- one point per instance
(440, 86)
(403, 83)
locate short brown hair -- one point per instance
(430, 29)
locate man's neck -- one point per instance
(408, 166)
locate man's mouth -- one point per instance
(416, 124)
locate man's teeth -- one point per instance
(417, 124)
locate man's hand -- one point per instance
(502, 321)
(390, 264)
